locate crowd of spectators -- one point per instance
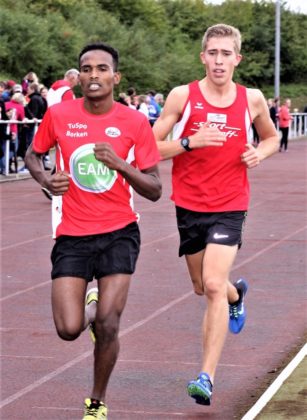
(150, 104)
(29, 99)
(22, 102)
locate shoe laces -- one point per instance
(233, 311)
(204, 377)
(98, 411)
(91, 411)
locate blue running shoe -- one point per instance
(237, 312)
(201, 389)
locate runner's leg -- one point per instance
(68, 294)
(113, 292)
(217, 263)
(194, 263)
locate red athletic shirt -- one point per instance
(284, 117)
(99, 200)
(59, 91)
(212, 179)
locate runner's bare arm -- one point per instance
(269, 141)
(170, 115)
(205, 136)
(57, 183)
(145, 182)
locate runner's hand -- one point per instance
(59, 183)
(252, 157)
(106, 154)
(207, 136)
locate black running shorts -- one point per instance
(197, 229)
(96, 256)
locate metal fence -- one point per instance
(7, 150)
(298, 128)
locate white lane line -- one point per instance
(11, 356)
(254, 256)
(44, 379)
(29, 241)
(176, 362)
(17, 244)
(269, 247)
(274, 387)
(21, 292)
(131, 412)
(171, 235)
(29, 289)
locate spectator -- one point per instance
(131, 92)
(8, 91)
(35, 106)
(154, 110)
(44, 92)
(29, 78)
(34, 110)
(159, 98)
(62, 90)
(123, 99)
(126, 100)
(15, 109)
(274, 109)
(284, 123)
(17, 89)
(130, 104)
(143, 105)
(2, 88)
(46, 159)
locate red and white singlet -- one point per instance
(213, 179)
(59, 90)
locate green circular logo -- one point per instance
(89, 173)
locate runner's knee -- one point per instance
(107, 328)
(68, 330)
(215, 288)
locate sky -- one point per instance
(295, 5)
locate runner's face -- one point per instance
(220, 59)
(97, 75)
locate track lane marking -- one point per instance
(274, 387)
(29, 289)
(133, 327)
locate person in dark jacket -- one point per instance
(34, 110)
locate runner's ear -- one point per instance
(117, 77)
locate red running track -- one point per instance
(45, 378)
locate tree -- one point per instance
(159, 40)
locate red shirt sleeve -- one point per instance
(45, 137)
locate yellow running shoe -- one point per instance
(94, 409)
(92, 296)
